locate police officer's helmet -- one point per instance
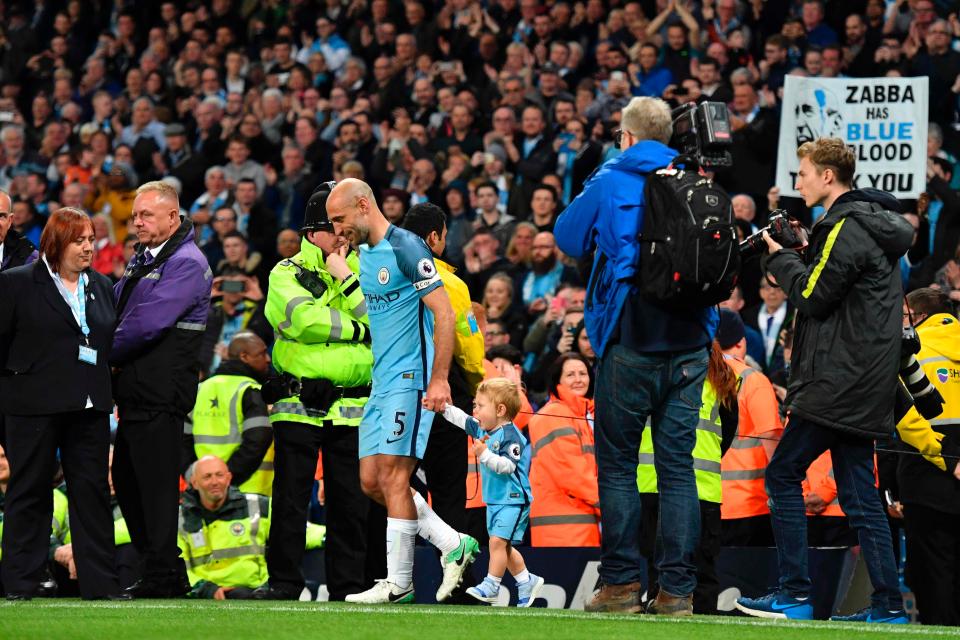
(315, 214)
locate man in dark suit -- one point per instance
(162, 305)
(56, 326)
(537, 158)
(15, 250)
(179, 161)
(755, 130)
(769, 318)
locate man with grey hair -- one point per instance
(744, 208)
(207, 138)
(143, 124)
(274, 117)
(652, 363)
(15, 155)
(162, 304)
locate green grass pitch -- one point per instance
(207, 620)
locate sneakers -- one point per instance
(881, 616)
(455, 565)
(383, 592)
(776, 605)
(529, 590)
(487, 591)
(666, 604)
(616, 598)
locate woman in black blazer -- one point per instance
(56, 328)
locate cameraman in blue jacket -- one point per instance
(652, 363)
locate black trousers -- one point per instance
(445, 464)
(933, 563)
(146, 478)
(356, 526)
(705, 557)
(755, 531)
(830, 531)
(83, 438)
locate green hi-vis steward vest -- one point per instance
(218, 426)
(121, 534)
(228, 551)
(60, 522)
(319, 337)
(706, 452)
(60, 529)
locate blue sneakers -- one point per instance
(880, 616)
(777, 605)
(528, 591)
(486, 591)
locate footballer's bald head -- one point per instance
(353, 211)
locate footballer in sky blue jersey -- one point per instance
(395, 274)
(412, 332)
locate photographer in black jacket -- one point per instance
(847, 291)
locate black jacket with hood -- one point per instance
(849, 299)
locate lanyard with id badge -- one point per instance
(78, 305)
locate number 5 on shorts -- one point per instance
(397, 418)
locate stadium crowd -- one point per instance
(498, 112)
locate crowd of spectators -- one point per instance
(497, 111)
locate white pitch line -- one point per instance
(495, 612)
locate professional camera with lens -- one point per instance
(926, 398)
(702, 132)
(782, 228)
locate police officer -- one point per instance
(229, 419)
(322, 352)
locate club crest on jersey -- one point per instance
(383, 276)
(426, 268)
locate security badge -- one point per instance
(237, 528)
(87, 355)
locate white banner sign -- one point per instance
(884, 120)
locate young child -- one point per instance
(505, 468)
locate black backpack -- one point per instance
(689, 255)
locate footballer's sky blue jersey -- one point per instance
(507, 441)
(394, 275)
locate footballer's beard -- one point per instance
(359, 235)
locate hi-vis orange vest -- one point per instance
(820, 480)
(563, 474)
(474, 488)
(743, 466)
